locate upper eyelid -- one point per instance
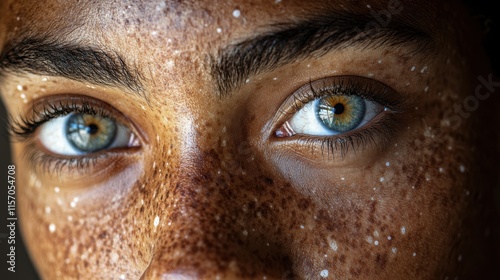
(23, 127)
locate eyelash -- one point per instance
(379, 132)
(25, 128)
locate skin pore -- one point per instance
(206, 189)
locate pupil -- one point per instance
(338, 108)
(92, 129)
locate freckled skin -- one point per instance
(230, 201)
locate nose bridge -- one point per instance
(205, 232)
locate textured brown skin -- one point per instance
(231, 200)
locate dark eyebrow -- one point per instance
(313, 37)
(43, 56)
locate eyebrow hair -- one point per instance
(313, 37)
(43, 56)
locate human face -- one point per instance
(218, 170)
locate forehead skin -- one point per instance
(210, 194)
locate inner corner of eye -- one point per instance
(285, 130)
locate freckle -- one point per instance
(219, 30)
(156, 221)
(403, 230)
(387, 164)
(236, 13)
(462, 168)
(52, 227)
(324, 273)
(47, 210)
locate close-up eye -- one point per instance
(79, 134)
(74, 129)
(334, 106)
(331, 115)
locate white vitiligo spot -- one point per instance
(376, 242)
(245, 233)
(380, 61)
(122, 277)
(441, 170)
(333, 245)
(19, 87)
(73, 203)
(47, 210)
(343, 179)
(382, 179)
(56, 189)
(114, 257)
(414, 254)
(52, 227)
(219, 30)
(368, 6)
(462, 168)
(423, 69)
(156, 222)
(387, 164)
(236, 13)
(324, 273)
(389, 237)
(302, 226)
(426, 89)
(375, 233)
(394, 249)
(459, 258)
(412, 68)
(403, 230)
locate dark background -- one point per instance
(483, 11)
